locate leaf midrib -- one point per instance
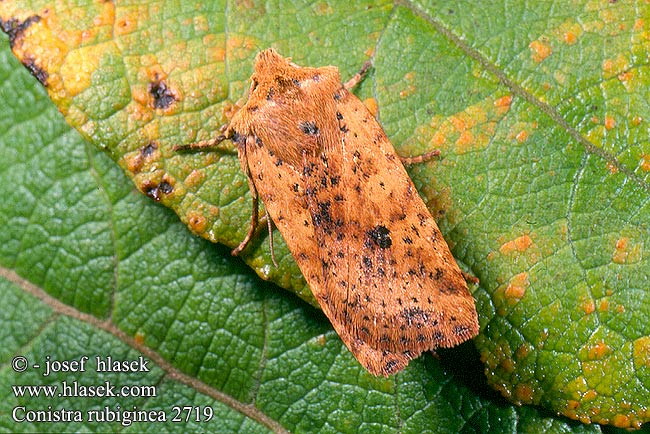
(248, 410)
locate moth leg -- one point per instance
(407, 161)
(202, 145)
(269, 224)
(470, 278)
(358, 76)
(243, 160)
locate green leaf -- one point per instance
(542, 193)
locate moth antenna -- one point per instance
(407, 161)
(356, 79)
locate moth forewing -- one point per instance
(363, 238)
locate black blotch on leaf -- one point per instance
(15, 28)
(155, 191)
(39, 73)
(148, 149)
(162, 95)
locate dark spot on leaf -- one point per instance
(407, 240)
(148, 149)
(339, 116)
(162, 95)
(367, 262)
(155, 191)
(461, 330)
(15, 28)
(165, 187)
(380, 235)
(39, 73)
(278, 162)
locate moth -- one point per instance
(335, 188)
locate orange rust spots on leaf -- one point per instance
(519, 244)
(214, 51)
(458, 122)
(197, 222)
(621, 421)
(611, 167)
(516, 289)
(539, 50)
(323, 8)
(642, 352)
(572, 404)
(371, 105)
(626, 252)
(588, 306)
(194, 179)
(409, 78)
(636, 120)
(590, 395)
(612, 67)
(625, 76)
(139, 338)
(522, 136)
(610, 122)
(570, 38)
(639, 24)
(523, 351)
(645, 163)
(598, 351)
(604, 305)
(524, 393)
(464, 142)
(241, 46)
(125, 24)
(503, 102)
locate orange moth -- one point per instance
(364, 240)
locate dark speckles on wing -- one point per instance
(309, 128)
(380, 236)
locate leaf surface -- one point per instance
(541, 116)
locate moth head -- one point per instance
(275, 75)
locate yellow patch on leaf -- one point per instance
(519, 244)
